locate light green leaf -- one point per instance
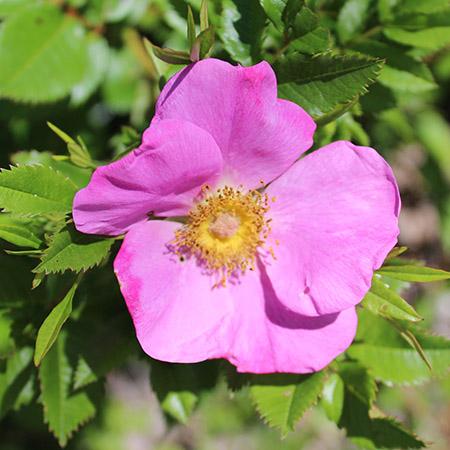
(434, 132)
(70, 250)
(387, 303)
(8, 7)
(433, 38)
(63, 411)
(16, 382)
(402, 72)
(18, 231)
(95, 70)
(47, 61)
(204, 20)
(352, 18)
(274, 10)
(190, 27)
(391, 359)
(281, 400)
(35, 190)
(50, 328)
(241, 29)
(323, 83)
(332, 399)
(77, 175)
(414, 273)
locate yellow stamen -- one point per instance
(225, 230)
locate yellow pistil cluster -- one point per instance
(225, 230)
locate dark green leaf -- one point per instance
(358, 381)
(281, 400)
(70, 250)
(35, 190)
(179, 385)
(373, 433)
(16, 381)
(323, 83)
(47, 61)
(241, 29)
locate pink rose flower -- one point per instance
(251, 255)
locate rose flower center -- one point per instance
(225, 230)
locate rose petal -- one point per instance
(180, 317)
(266, 337)
(161, 177)
(259, 135)
(335, 219)
(176, 312)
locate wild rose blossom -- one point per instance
(234, 248)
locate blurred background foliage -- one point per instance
(380, 76)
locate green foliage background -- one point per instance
(376, 72)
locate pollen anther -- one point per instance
(225, 230)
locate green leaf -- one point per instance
(401, 72)
(323, 83)
(358, 381)
(16, 381)
(243, 22)
(78, 153)
(70, 250)
(387, 303)
(313, 42)
(18, 231)
(95, 70)
(167, 54)
(420, 6)
(8, 7)
(433, 38)
(204, 21)
(80, 177)
(63, 411)
(419, 274)
(51, 327)
(47, 61)
(190, 27)
(352, 18)
(178, 386)
(290, 11)
(332, 399)
(434, 132)
(373, 433)
(203, 45)
(274, 10)
(281, 400)
(391, 359)
(35, 190)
